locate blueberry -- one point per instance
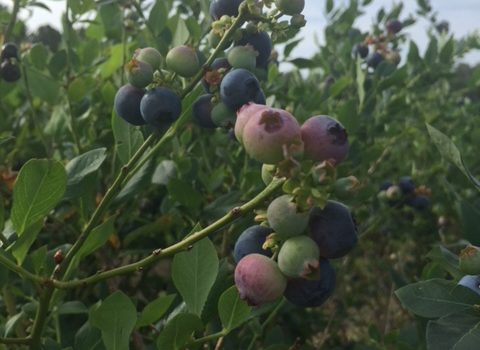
(10, 71)
(312, 293)
(251, 241)
(183, 60)
(394, 26)
(360, 50)
(139, 73)
(149, 55)
(419, 202)
(160, 107)
(219, 8)
(299, 257)
(374, 59)
(469, 260)
(334, 230)
(471, 282)
(127, 104)
(261, 42)
(223, 116)
(259, 280)
(239, 87)
(271, 134)
(285, 218)
(385, 185)
(290, 7)
(213, 76)
(202, 112)
(406, 184)
(325, 139)
(9, 50)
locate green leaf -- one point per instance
(42, 86)
(155, 310)
(340, 85)
(84, 165)
(128, 139)
(88, 338)
(184, 193)
(39, 187)
(24, 242)
(158, 16)
(470, 218)
(178, 331)
(448, 149)
(446, 259)
(72, 308)
(97, 238)
(459, 331)
(435, 298)
(194, 272)
(2, 213)
(116, 318)
(140, 180)
(232, 310)
(165, 171)
(181, 33)
(114, 62)
(39, 56)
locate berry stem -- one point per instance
(13, 19)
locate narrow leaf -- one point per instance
(232, 310)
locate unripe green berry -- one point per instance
(469, 262)
(243, 57)
(184, 61)
(149, 55)
(222, 115)
(290, 7)
(139, 73)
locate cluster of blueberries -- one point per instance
(381, 51)
(229, 82)
(405, 192)
(9, 68)
(302, 272)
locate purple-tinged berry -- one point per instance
(325, 139)
(259, 280)
(272, 135)
(394, 26)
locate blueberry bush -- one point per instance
(173, 177)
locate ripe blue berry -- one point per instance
(160, 107)
(312, 293)
(251, 241)
(406, 184)
(127, 104)
(202, 112)
(261, 42)
(360, 50)
(471, 282)
(239, 87)
(374, 59)
(9, 50)
(219, 8)
(334, 230)
(394, 26)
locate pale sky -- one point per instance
(463, 16)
